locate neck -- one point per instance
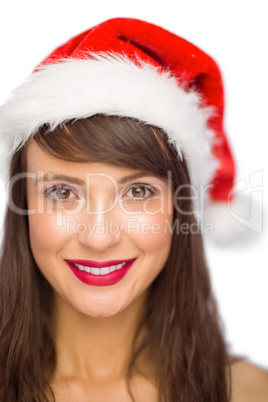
(96, 349)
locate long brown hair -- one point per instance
(184, 333)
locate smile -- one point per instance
(100, 271)
(96, 273)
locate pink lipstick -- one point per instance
(103, 273)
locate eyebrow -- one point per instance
(127, 179)
(80, 182)
(63, 177)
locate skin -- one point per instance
(249, 383)
(88, 320)
(100, 321)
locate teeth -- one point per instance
(94, 271)
(104, 271)
(100, 271)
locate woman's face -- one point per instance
(113, 223)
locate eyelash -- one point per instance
(147, 188)
(49, 193)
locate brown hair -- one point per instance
(184, 330)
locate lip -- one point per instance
(100, 280)
(97, 264)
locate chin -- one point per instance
(100, 309)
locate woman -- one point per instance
(105, 294)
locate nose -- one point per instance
(99, 231)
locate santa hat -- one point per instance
(128, 67)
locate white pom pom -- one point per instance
(237, 222)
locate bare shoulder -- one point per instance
(249, 383)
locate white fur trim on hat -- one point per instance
(113, 85)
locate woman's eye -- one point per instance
(61, 193)
(138, 192)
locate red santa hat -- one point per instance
(128, 67)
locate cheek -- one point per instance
(152, 233)
(45, 236)
(153, 239)
(151, 227)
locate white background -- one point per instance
(233, 32)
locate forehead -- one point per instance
(38, 159)
(42, 163)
